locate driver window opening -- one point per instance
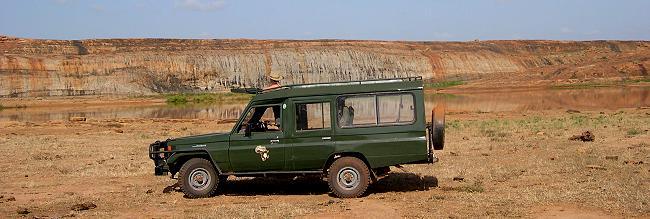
(262, 119)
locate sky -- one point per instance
(411, 20)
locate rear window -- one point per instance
(375, 110)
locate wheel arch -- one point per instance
(176, 160)
(358, 155)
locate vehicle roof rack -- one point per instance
(359, 82)
(327, 84)
(246, 90)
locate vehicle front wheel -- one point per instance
(198, 179)
(348, 177)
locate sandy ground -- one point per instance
(506, 165)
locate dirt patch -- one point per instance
(359, 208)
(570, 212)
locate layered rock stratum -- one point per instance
(30, 67)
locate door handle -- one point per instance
(275, 141)
(326, 138)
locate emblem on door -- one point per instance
(263, 152)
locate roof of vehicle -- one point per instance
(347, 87)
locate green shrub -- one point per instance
(579, 120)
(205, 97)
(202, 98)
(581, 85)
(177, 99)
(634, 131)
(452, 124)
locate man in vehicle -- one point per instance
(274, 79)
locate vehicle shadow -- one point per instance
(403, 182)
(315, 185)
(308, 185)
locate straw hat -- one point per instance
(275, 76)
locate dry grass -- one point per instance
(528, 161)
(511, 165)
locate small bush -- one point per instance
(452, 124)
(177, 99)
(205, 97)
(634, 131)
(579, 120)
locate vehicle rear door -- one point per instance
(383, 127)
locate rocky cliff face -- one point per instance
(145, 66)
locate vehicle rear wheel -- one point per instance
(198, 179)
(348, 177)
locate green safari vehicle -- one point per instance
(349, 132)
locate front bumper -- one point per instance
(159, 156)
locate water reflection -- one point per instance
(500, 101)
(610, 98)
(212, 111)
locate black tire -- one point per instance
(348, 177)
(198, 179)
(437, 136)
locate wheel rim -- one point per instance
(348, 178)
(199, 179)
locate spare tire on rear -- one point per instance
(437, 131)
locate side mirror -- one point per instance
(248, 130)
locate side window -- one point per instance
(375, 110)
(312, 116)
(262, 119)
(357, 111)
(396, 108)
